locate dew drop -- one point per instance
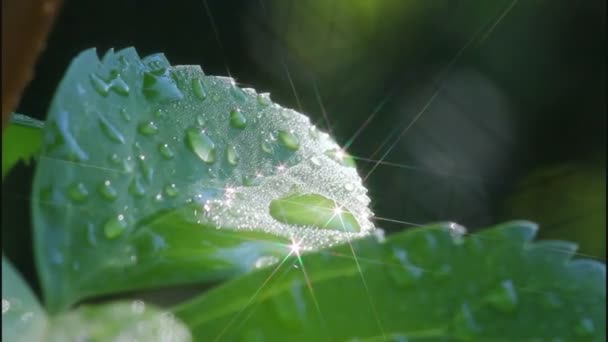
(265, 261)
(107, 191)
(238, 93)
(125, 115)
(504, 297)
(138, 307)
(110, 131)
(146, 170)
(401, 270)
(264, 99)
(201, 145)
(119, 86)
(349, 187)
(315, 161)
(313, 210)
(237, 119)
(78, 192)
(171, 190)
(232, 156)
(199, 90)
(115, 226)
(147, 128)
(289, 140)
(100, 86)
(160, 88)
(136, 188)
(266, 146)
(166, 151)
(200, 120)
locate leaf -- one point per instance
(20, 141)
(118, 321)
(130, 141)
(428, 283)
(22, 317)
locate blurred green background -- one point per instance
(492, 110)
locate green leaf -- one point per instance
(22, 317)
(129, 141)
(423, 284)
(118, 321)
(20, 141)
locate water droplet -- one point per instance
(266, 261)
(75, 152)
(6, 305)
(100, 86)
(115, 226)
(138, 307)
(136, 188)
(289, 140)
(110, 131)
(171, 190)
(237, 119)
(200, 120)
(468, 326)
(165, 151)
(232, 156)
(147, 128)
(341, 157)
(160, 88)
(264, 99)
(125, 115)
(401, 270)
(119, 86)
(504, 297)
(107, 190)
(313, 210)
(349, 187)
(199, 90)
(78, 192)
(157, 113)
(315, 161)
(585, 327)
(201, 145)
(252, 180)
(266, 146)
(238, 93)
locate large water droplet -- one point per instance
(401, 270)
(146, 170)
(313, 210)
(237, 119)
(232, 156)
(100, 86)
(201, 144)
(289, 140)
(136, 188)
(78, 192)
(110, 131)
(107, 191)
(166, 151)
(119, 86)
(75, 152)
(147, 128)
(199, 90)
(115, 226)
(504, 297)
(160, 88)
(341, 157)
(238, 93)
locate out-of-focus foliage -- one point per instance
(21, 141)
(569, 201)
